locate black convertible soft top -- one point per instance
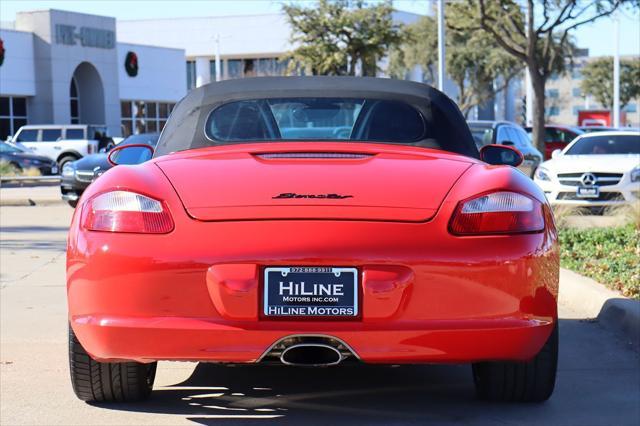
(186, 126)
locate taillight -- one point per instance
(124, 211)
(497, 213)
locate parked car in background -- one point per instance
(21, 160)
(556, 137)
(63, 143)
(596, 169)
(77, 175)
(510, 134)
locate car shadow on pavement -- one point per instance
(255, 394)
(367, 394)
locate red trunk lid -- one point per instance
(272, 181)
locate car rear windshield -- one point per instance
(326, 119)
(601, 144)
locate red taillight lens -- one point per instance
(497, 213)
(124, 211)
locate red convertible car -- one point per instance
(313, 221)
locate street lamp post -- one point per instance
(441, 47)
(616, 72)
(218, 70)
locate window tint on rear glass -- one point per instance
(74, 134)
(315, 119)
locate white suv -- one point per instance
(596, 169)
(63, 143)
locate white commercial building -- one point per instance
(247, 45)
(64, 67)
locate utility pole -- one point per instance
(218, 62)
(616, 72)
(527, 82)
(441, 48)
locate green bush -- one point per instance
(7, 169)
(610, 256)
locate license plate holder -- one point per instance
(587, 192)
(316, 292)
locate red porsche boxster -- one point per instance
(313, 221)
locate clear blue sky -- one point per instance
(597, 37)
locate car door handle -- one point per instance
(57, 147)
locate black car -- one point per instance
(510, 134)
(77, 175)
(21, 160)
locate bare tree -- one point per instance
(542, 46)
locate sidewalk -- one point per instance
(609, 307)
(30, 196)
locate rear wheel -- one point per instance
(531, 381)
(95, 381)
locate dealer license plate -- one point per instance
(588, 192)
(310, 291)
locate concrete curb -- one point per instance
(612, 310)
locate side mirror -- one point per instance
(130, 154)
(501, 155)
(556, 153)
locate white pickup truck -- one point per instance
(63, 143)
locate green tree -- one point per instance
(474, 62)
(334, 37)
(542, 45)
(598, 81)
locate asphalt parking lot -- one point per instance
(598, 380)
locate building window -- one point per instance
(553, 93)
(266, 67)
(630, 108)
(144, 116)
(576, 92)
(575, 110)
(74, 102)
(13, 115)
(234, 68)
(191, 75)
(554, 110)
(576, 74)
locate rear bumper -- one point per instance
(423, 299)
(197, 339)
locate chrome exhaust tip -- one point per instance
(311, 355)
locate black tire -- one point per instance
(95, 381)
(64, 160)
(531, 381)
(72, 203)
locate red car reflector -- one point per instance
(497, 213)
(124, 211)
